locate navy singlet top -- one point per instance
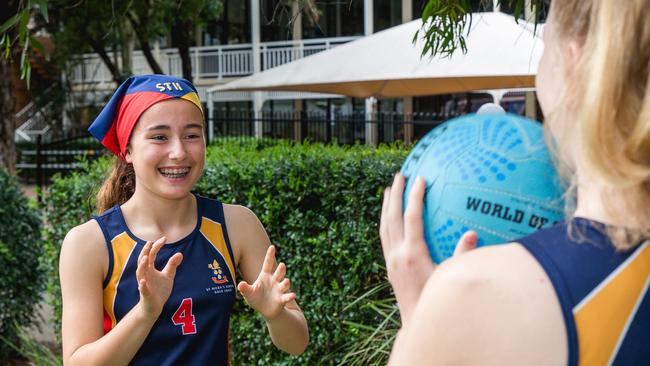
(603, 292)
(193, 326)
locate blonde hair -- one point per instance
(608, 104)
(118, 186)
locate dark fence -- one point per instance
(39, 161)
(383, 127)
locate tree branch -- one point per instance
(141, 35)
(98, 47)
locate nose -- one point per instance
(177, 150)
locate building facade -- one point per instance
(251, 36)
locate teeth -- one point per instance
(175, 171)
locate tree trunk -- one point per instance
(151, 60)
(182, 32)
(7, 113)
(7, 100)
(99, 49)
(140, 30)
(127, 48)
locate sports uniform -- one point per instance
(603, 292)
(193, 325)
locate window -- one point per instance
(508, 7)
(335, 18)
(387, 13)
(232, 27)
(476, 6)
(275, 21)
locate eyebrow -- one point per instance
(166, 127)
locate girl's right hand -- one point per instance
(155, 286)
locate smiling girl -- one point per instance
(151, 279)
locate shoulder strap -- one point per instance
(535, 244)
(212, 210)
(109, 222)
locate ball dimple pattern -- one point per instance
(488, 173)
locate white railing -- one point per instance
(279, 53)
(212, 61)
(208, 61)
(91, 69)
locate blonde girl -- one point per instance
(576, 293)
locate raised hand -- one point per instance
(155, 286)
(270, 291)
(408, 263)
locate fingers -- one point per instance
(394, 217)
(145, 251)
(466, 243)
(269, 260)
(414, 230)
(285, 285)
(280, 272)
(383, 227)
(285, 298)
(244, 288)
(140, 271)
(172, 264)
(155, 249)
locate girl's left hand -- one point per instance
(408, 263)
(270, 291)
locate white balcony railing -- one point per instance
(208, 62)
(278, 53)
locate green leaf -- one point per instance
(20, 253)
(22, 27)
(38, 45)
(28, 73)
(23, 57)
(9, 23)
(42, 6)
(426, 13)
(519, 9)
(415, 36)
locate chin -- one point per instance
(175, 190)
(175, 194)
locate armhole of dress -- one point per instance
(109, 247)
(535, 248)
(222, 218)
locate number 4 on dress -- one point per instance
(184, 317)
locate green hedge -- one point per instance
(320, 205)
(22, 276)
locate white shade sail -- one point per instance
(500, 54)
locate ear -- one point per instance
(127, 155)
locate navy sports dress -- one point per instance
(193, 325)
(603, 292)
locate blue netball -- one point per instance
(491, 173)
